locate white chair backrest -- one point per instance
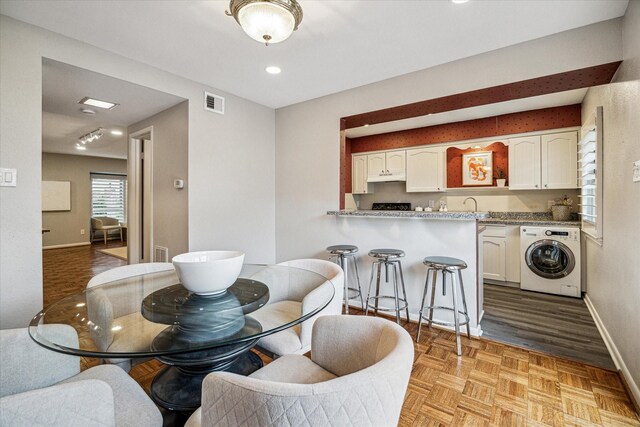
(331, 271)
(132, 270)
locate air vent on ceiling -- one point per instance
(213, 103)
(161, 254)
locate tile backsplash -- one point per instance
(499, 200)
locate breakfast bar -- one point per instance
(418, 234)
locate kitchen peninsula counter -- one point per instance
(411, 214)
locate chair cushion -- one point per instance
(276, 314)
(293, 369)
(132, 406)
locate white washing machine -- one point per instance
(550, 260)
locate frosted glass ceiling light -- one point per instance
(268, 21)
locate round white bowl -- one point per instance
(208, 272)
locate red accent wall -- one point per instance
(347, 169)
(507, 124)
(454, 163)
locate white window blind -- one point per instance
(590, 172)
(109, 196)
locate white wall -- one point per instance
(308, 138)
(231, 161)
(613, 275)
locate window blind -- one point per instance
(109, 196)
(590, 173)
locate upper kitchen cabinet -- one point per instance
(386, 166)
(560, 160)
(524, 163)
(543, 162)
(359, 184)
(426, 169)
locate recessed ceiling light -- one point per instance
(98, 103)
(272, 69)
(366, 125)
(88, 111)
(116, 132)
(459, 1)
(476, 147)
(80, 147)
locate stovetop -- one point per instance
(391, 207)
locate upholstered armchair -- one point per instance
(287, 303)
(357, 375)
(39, 387)
(104, 224)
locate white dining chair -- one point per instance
(357, 375)
(295, 297)
(113, 308)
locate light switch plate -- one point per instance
(8, 177)
(636, 171)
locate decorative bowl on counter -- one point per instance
(208, 272)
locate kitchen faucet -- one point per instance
(474, 201)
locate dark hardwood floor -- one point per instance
(552, 324)
(491, 384)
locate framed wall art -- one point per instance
(477, 168)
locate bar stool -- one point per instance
(342, 254)
(388, 258)
(453, 267)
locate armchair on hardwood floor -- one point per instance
(104, 224)
(110, 306)
(39, 387)
(286, 303)
(357, 375)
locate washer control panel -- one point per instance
(572, 235)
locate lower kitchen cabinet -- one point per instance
(501, 253)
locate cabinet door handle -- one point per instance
(545, 186)
(536, 185)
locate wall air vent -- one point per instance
(160, 254)
(213, 103)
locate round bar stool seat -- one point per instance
(389, 258)
(440, 262)
(342, 254)
(386, 253)
(452, 267)
(342, 249)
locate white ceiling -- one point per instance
(524, 104)
(339, 45)
(63, 123)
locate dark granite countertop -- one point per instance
(452, 215)
(527, 218)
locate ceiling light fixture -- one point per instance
(268, 21)
(87, 111)
(98, 103)
(459, 1)
(91, 136)
(80, 147)
(116, 132)
(272, 69)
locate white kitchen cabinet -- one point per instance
(524, 163)
(494, 253)
(543, 161)
(501, 253)
(560, 160)
(359, 184)
(426, 170)
(386, 166)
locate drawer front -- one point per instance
(495, 231)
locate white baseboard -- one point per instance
(68, 245)
(613, 350)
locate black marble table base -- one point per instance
(178, 390)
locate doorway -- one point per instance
(140, 170)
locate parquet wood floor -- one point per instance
(491, 384)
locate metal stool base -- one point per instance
(401, 306)
(441, 323)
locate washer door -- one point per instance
(550, 259)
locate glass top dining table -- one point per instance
(153, 315)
